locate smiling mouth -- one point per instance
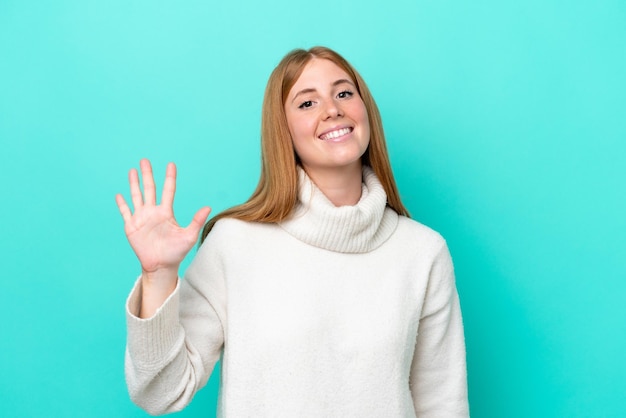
(335, 134)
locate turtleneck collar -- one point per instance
(348, 229)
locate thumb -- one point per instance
(199, 219)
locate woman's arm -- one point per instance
(438, 373)
(171, 355)
(170, 351)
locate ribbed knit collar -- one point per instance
(347, 229)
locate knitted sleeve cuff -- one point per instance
(152, 340)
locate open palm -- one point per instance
(152, 231)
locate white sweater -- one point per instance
(336, 312)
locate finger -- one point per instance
(123, 207)
(169, 187)
(198, 221)
(149, 192)
(135, 192)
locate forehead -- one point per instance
(319, 73)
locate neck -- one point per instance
(340, 185)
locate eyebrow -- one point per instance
(311, 90)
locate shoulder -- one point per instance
(231, 233)
(229, 226)
(419, 231)
(419, 237)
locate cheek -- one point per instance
(301, 128)
(364, 121)
(359, 112)
(295, 133)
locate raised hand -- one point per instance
(152, 231)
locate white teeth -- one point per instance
(335, 134)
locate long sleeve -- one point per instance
(171, 355)
(438, 372)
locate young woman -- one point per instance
(320, 295)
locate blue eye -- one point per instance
(344, 94)
(306, 104)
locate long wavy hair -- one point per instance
(276, 193)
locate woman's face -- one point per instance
(327, 118)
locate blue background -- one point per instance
(506, 123)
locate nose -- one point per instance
(332, 110)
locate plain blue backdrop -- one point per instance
(506, 123)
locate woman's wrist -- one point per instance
(156, 287)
